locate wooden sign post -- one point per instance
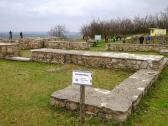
(82, 105)
(82, 78)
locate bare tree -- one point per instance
(58, 31)
(126, 26)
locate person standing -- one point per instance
(10, 35)
(141, 40)
(21, 35)
(148, 39)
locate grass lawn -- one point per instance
(25, 90)
(100, 47)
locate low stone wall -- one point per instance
(30, 43)
(116, 104)
(9, 49)
(67, 45)
(135, 47)
(98, 59)
(53, 42)
(154, 40)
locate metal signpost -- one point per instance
(82, 78)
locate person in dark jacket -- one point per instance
(21, 35)
(141, 40)
(10, 35)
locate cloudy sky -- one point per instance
(41, 15)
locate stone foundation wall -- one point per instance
(67, 45)
(116, 104)
(53, 42)
(154, 40)
(30, 43)
(101, 112)
(136, 47)
(97, 59)
(9, 49)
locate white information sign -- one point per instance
(98, 37)
(82, 78)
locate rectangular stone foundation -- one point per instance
(9, 49)
(67, 45)
(115, 104)
(98, 59)
(135, 47)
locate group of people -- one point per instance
(148, 39)
(10, 35)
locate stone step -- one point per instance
(23, 59)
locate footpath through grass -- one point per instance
(25, 90)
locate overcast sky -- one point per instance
(41, 15)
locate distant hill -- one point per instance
(70, 35)
(25, 34)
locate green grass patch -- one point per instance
(25, 90)
(101, 46)
(25, 53)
